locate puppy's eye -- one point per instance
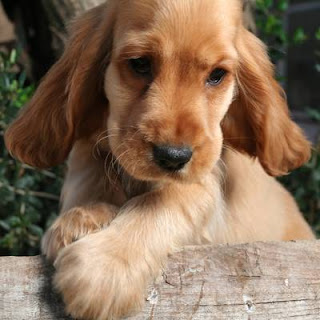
(216, 77)
(141, 66)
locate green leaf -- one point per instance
(283, 5)
(22, 79)
(313, 113)
(316, 176)
(318, 34)
(13, 56)
(14, 221)
(299, 36)
(271, 23)
(4, 225)
(264, 5)
(36, 230)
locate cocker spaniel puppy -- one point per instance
(173, 125)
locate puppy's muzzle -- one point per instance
(171, 158)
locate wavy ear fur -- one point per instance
(69, 102)
(258, 122)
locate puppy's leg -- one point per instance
(105, 275)
(74, 224)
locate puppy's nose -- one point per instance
(171, 158)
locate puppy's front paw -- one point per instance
(75, 224)
(97, 281)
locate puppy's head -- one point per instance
(170, 82)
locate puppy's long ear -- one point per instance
(258, 121)
(69, 102)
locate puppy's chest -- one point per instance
(133, 188)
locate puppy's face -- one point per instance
(166, 79)
(170, 82)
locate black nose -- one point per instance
(171, 158)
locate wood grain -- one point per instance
(265, 281)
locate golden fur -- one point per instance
(128, 212)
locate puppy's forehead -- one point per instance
(178, 23)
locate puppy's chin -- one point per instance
(151, 173)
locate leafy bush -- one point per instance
(28, 198)
(269, 20)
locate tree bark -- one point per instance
(248, 15)
(258, 281)
(60, 13)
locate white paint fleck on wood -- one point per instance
(153, 297)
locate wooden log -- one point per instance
(258, 281)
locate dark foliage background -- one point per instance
(29, 198)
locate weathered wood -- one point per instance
(259, 281)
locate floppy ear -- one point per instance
(69, 102)
(258, 121)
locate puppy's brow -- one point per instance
(137, 42)
(204, 63)
(133, 52)
(227, 63)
